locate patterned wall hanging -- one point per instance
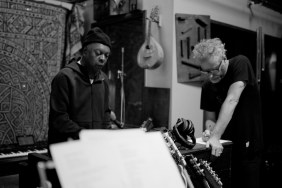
(31, 51)
(190, 29)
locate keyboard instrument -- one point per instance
(21, 152)
(13, 154)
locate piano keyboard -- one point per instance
(12, 155)
(22, 153)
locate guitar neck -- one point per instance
(179, 160)
(210, 175)
(173, 147)
(203, 172)
(149, 34)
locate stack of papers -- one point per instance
(128, 158)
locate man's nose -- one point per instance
(102, 58)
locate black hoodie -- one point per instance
(77, 104)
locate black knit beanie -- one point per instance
(96, 35)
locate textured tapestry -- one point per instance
(31, 52)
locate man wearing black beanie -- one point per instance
(79, 92)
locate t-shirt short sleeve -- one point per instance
(240, 69)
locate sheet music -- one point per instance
(116, 158)
(200, 141)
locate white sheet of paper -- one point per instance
(200, 141)
(73, 165)
(116, 159)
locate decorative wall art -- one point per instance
(31, 51)
(190, 29)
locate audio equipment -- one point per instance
(184, 131)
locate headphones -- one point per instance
(182, 130)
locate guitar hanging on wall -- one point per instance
(151, 55)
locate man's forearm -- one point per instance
(224, 117)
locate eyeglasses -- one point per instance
(212, 71)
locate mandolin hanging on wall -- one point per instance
(151, 55)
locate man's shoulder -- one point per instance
(63, 75)
(239, 61)
(68, 69)
(240, 58)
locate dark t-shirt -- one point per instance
(245, 124)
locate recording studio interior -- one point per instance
(140, 93)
